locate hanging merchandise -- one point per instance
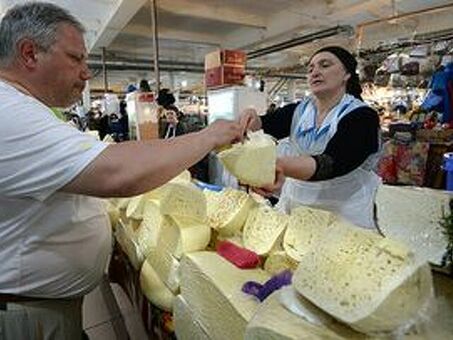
(440, 96)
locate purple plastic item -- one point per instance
(274, 283)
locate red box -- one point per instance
(224, 75)
(224, 57)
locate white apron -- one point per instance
(352, 195)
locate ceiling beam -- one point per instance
(118, 19)
(211, 10)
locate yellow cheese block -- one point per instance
(306, 228)
(135, 207)
(228, 211)
(183, 200)
(252, 162)
(187, 327)
(166, 267)
(154, 289)
(184, 236)
(212, 287)
(371, 283)
(263, 229)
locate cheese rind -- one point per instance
(263, 229)
(212, 287)
(187, 327)
(372, 283)
(252, 162)
(154, 289)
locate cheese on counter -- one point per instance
(279, 261)
(154, 289)
(263, 229)
(186, 325)
(183, 200)
(212, 287)
(306, 228)
(228, 211)
(372, 283)
(274, 321)
(252, 162)
(184, 236)
(412, 215)
(114, 213)
(135, 207)
(166, 267)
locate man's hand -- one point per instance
(249, 121)
(271, 189)
(224, 132)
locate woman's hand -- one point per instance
(270, 190)
(249, 121)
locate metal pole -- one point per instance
(155, 43)
(104, 70)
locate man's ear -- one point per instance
(27, 53)
(347, 77)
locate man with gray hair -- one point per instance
(54, 233)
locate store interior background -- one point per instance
(189, 29)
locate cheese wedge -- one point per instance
(228, 211)
(148, 232)
(306, 228)
(187, 327)
(166, 267)
(184, 236)
(371, 283)
(263, 229)
(279, 261)
(212, 287)
(183, 200)
(412, 215)
(273, 320)
(154, 289)
(135, 207)
(252, 162)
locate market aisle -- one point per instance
(109, 315)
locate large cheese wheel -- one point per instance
(263, 229)
(154, 289)
(252, 162)
(372, 283)
(212, 287)
(187, 327)
(306, 228)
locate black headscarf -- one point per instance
(349, 62)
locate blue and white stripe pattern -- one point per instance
(309, 139)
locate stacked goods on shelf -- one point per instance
(212, 291)
(252, 162)
(373, 284)
(224, 67)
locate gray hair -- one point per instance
(37, 21)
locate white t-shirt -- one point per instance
(52, 244)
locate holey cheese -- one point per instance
(183, 200)
(263, 229)
(228, 211)
(371, 283)
(212, 288)
(154, 289)
(252, 162)
(306, 228)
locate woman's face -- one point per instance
(326, 74)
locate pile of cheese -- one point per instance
(252, 162)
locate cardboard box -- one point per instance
(224, 75)
(224, 57)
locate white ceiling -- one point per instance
(188, 29)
